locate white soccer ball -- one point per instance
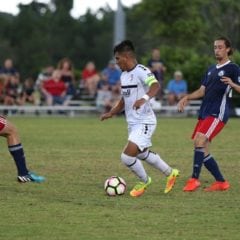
(114, 186)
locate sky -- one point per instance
(80, 6)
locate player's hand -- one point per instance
(106, 116)
(182, 103)
(227, 80)
(138, 103)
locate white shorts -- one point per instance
(141, 135)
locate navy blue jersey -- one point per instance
(216, 100)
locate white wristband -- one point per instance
(146, 97)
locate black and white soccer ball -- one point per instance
(115, 186)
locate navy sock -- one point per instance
(19, 158)
(197, 161)
(213, 168)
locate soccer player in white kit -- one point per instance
(138, 86)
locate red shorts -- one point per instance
(3, 122)
(209, 126)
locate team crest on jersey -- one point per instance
(239, 79)
(131, 77)
(221, 73)
(209, 73)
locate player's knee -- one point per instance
(200, 140)
(128, 160)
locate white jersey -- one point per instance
(135, 84)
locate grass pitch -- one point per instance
(77, 155)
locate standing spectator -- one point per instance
(90, 78)
(158, 68)
(216, 86)
(176, 88)
(55, 90)
(65, 66)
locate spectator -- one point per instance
(28, 93)
(11, 90)
(112, 74)
(55, 90)
(2, 84)
(9, 69)
(67, 75)
(104, 96)
(158, 68)
(176, 88)
(90, 78)
(45, 74)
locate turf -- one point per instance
(78, 154)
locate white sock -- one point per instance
(155, 160)
(135, 165)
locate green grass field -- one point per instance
(77, 155)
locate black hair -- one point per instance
(124, 46)
(227, 44)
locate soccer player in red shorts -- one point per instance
(216, 88)
(9, 131)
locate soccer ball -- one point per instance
(115, 186)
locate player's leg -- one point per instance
(156, 161)
(9, 131)
(211, 164)
(200, 147)
(129, 158)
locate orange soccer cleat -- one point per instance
(218, 186)
(191, 185)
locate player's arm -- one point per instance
(199, 93)
(115, 110)
(154, 87)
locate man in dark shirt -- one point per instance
(216, 87)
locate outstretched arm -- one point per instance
(115, 110)
(194, 95)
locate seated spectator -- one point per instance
(27, 94)
(55, 90)
(90, 78)
(45, 74)
(2, 85)
(104, 96)
(67, 75)
(11, 90)
(157, 67)
(176, 88)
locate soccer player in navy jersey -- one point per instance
(215, 89)
(9, 131)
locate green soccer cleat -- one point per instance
(171, 179)
(140, 188)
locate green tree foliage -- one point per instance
(183, 30)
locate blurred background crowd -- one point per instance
(50, 58)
